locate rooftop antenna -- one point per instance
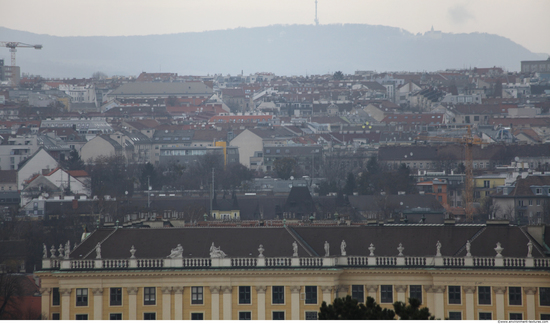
(316, 20)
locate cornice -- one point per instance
(291, 272)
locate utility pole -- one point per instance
(148, 195)
(212, 192)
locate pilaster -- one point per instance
(469, 293)
(65, 303)
(132, 303)
(45, 301)
(98, 303)
(530, 293)
(166, 302)
(326, 293)
(295, 303)
(260, 293)
(342, 291)
(178, 303)
(215, 296)
(401, 293)
(499, 301)
(227, 302)
(372, 291)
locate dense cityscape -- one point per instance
(264, 196)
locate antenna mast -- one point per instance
(316, 20)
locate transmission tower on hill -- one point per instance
(316, 20)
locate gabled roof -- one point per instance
(523, 185)
(21, 165)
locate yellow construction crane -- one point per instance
(13, 48)
(468, 141)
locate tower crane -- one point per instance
(468, 141)
(13, 48)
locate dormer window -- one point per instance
(538, 191)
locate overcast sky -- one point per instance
(524, 22)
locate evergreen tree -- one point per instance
(412, 311)
(348, 308)
(74, 162)
(350, 184)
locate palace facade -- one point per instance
(489, 271)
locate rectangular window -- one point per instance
(545, 317)
(486, 183)
(311, 316)
(278, 316)
(486, 316)
(514, 296)
(311, 294)
(149, 316)
(81, 296)
(55, 297)
(196, 295)
(484, 295)
(116, 296)
(454, 295)
(278, 295)
(149, 296)
(197, 316)
(455, 316)
(416, 292)
(516, 316)
(544, 294)
(245, 316)
(55, 317)
(115, 317)
(244, 295)
(358, 293)
(386, 294)
(81, 317)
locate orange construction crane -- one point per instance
(468, 141)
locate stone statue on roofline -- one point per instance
(438, 247)
(67, 249)
(44, 251)
(295, 249)
(530, 249)
(343, 248)
(98, 251)
(327, 249)
(468, 247)
(176, 252)
(216, 252)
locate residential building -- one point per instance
(39, 163)
(436, 187)
(526, 201)
(487, 184)
(535, 66)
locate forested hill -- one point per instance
(284, 50)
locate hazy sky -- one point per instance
(525, 22)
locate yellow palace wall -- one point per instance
(221, 291)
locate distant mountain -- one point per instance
(284, 50)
